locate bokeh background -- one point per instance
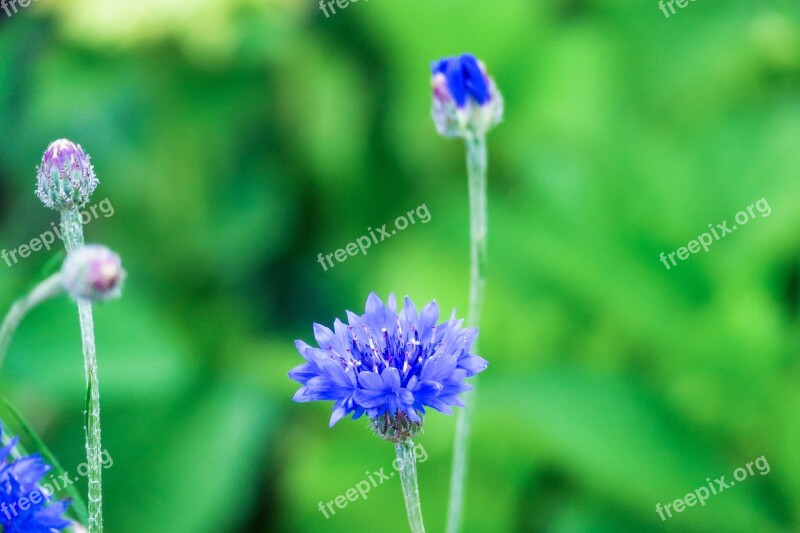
(237, 139)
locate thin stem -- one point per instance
(476, 170)
(72, 231)
(46, 289)
(407, 461)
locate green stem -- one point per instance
(43, 291)
(476, 171)
(72, 231)
(476, 168)
(407, 461)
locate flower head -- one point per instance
(66, 177)
(93, 272)
(390, 365)
(19, 479)
(465, 98)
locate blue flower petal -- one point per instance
(389, 360)
(465, 79)
(20, 479)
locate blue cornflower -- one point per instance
(389, 365)
(465, 98)
(23, 503)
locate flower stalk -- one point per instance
(66, 181)
(45, 290)
(407, 460)
(476, 171)
(467, 104)
(72, 230)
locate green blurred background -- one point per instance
(237, 139)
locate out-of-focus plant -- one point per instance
(467, 104)
(92, 273)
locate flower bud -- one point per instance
(465, 99)
(93, 272)
(65, 178)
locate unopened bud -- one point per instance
(465, 99)
(93, 272)
(65, 178)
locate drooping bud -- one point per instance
(465, 99)
(93, 272)
(65, 178)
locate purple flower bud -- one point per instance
(65, 178)
(465, 99)
(93, 272)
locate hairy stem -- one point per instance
(72, 231)
(408, 477)
(45, 290)
(476, 171)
